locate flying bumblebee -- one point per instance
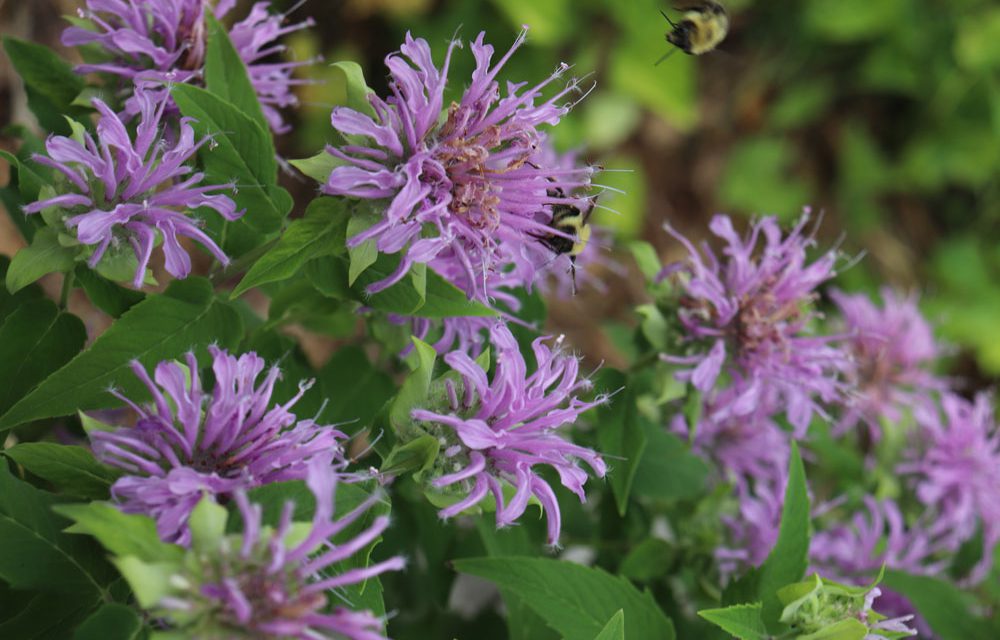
(701, 29)
(572, 221)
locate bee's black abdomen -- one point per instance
(680, 36)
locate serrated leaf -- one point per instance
(615, 629)
(160, 327)
(71, 469)
(111, 622)
(226, 74)
(241, 151)
(37, 554)
(788, 559)
(35, 340)
(575, 600)
(45, 255)
(320, 232)
(742, 621)
(619, 435)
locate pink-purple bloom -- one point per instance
(274, 583)
(746, 315)
(749, 451)
(467, 189)
(189, 442)
(495, 432)
(892, 350)
(125, 190)
(165, 42)
(954, 470)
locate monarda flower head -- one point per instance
(188, 443)
(125, 190)
(892, 349)
(165, 41)
(954, 469)
(467, 188)
(495, 432)
(747, 315)
(269, 582)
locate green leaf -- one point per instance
(122, 534)
(226, 74)
(50, 82)
(443, 299)
(415, 388)
(646, 258)
(36, 554)
(415, 456)
(742, 621)
(353, 83)
(12, 302)
(160, 327)
(37, 615)
(29, 179)
(241, 151)
(406, 297)
(619, 434)
(647, 561)
(208, 525)
(941, 604)
(319, 232)
(318, 167)
(72, 470)
(615, 629)
(44, 256)
(354, 388)
(788, 559)
(668, 470)
(365, 254)
(35, 340)
(107, 296)
(111, 622)
(575, 600)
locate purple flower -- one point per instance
(165, 42)
(747, 316)
(749, 451)
(125, 189)
(873, 537)
(954, 468)
(468, 190)
(498, 430)
(273, 582)
(892, 348)
(188, 443)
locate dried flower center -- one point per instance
(466, 159)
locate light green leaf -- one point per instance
(415, 388)
(122, 534)
(226, 74)
(317, 167)
(352, 82)
(742, 621)
(44, 256)
(788, 559)
(241, 151)
(615, 629)
(365, 254)
(415, 456)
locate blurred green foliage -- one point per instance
(883, 115)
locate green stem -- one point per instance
(67, 287)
